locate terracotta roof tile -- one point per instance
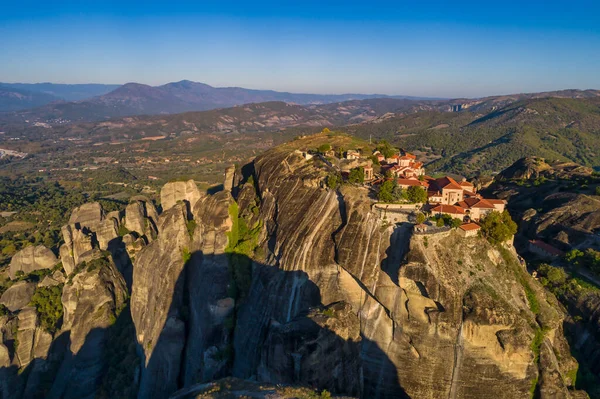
(496, 201)
(448, 209)
(475, 203)
(447, 183)
(547, 247)
(408, 182)
(469, 227)
(483, 203)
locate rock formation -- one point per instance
(32, 258)
(91, 302)
(179, 191)
(17, 296)
(280, 280)
(87, 215)
(229, 178)
(157, 303)
(141, 217)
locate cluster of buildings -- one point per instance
(459, 199)
(403, 165)
(445, 195)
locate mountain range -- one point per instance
(462, 136)
(139, 99)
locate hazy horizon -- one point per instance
(435, 50)
(307, 92)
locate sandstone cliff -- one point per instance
(32, 258)
(281, 280)
(410, 294)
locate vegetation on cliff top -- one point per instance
(498, 227)
(241, 246)
(48, 305)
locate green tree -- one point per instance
(399, 193)
(357, 175)
(574, 255)
(323, 148)
(334, 180)
(386, 149)
(440, 222)
(386, 191)
(9, 250)
(374, 159)
(455, 222)
(416, 195)
(498, 227)
(421, 217)
(48, 305)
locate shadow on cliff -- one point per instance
(279, 332)
(585, 348)
(106, 366)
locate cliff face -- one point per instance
(555, 201)
(434, 311)
(281, 280)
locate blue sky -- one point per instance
(422, 48)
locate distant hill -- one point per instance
(66, 92)
(138, 99)
(482, 138)
(14, 99)
(471, 142)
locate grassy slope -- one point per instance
(554, 128)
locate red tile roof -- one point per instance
(547, 247)
(408, 182)
(496, 201)
(469, 227)
(475, 203)
(451, 209)
(483, 203)
(466, 183)
(447, 183)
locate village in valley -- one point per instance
(399, 186)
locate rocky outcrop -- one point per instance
(18, 295)
(281, 280)
(91, 303)
(106, 232)
(87, 215)
(34, 342)
(534, 167)
(236, 388)
(320, 349)
(410, 294)
(77, 243)
(229, 178)
(32, 258)
(210, 301)
(556, 202)
(157, 302)
(525, 168)
(141, 217)
(55, 279)
(179, 191)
